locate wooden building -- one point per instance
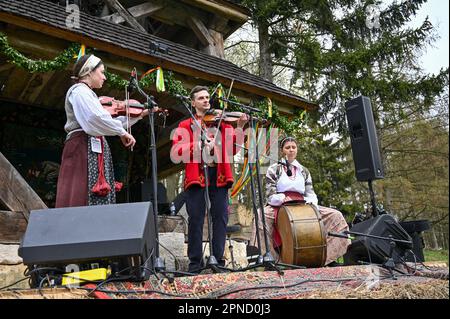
(184, 37)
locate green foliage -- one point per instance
(416, 185)
(32, 66)
(330, 163)
(67, 57)
(335, 55)
(115, 81)
(436, 255)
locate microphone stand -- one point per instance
(389, 263)
(151, 105)
(267, 261)
(372, 199)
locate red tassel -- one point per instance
(118, 186)
(101, 188)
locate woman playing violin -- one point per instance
(86, 156)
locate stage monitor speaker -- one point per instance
(415, 228)
(121, 236)
(143, 191)
(373, 250)
(363, 135)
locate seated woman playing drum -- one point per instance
(290, 183)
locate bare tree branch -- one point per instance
(240, 42)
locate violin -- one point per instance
(117, 108)
(212, 117)
(135, 108)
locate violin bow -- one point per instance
(127, 105)
(223, 112)
(127, 114)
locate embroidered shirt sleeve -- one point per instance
(91, 116)
(271, 180)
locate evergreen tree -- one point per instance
(339, 49)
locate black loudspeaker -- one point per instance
(143, 191)
(363, 135)
(120, 237)
(415, 228)
(372, 250)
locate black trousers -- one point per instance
(196, 209)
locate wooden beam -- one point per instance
(112, 48)
(15, 192)
(140, 11)
(34, 87)
(177, 13)
(46, 77)
(219, 49)
(219, 24)
(12, 227)
(219, 9)
(212, 40)
(125, 15)
(200, 31)
(30, 42)
(6, 67)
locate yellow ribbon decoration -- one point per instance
(81, 52)
(160, 80)
(269, 102)
(220, 95)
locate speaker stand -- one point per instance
(389, 264)
(372, 199)
(159, 264)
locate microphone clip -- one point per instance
(132, 83)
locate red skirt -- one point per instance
(72, 189)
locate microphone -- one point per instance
(288, 168)
(289, 171)
(182, 97)
(152, 102)
(131, 83)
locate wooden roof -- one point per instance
(49, 18)
(220, 3)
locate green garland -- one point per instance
(173, 86)
(67, 56)
(39, 66)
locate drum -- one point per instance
(303, 235)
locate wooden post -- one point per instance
(218, 41)
(15, 192)
(212, 40)
(125, 15)
(140, 11)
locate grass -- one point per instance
(436, 255)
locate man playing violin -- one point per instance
(86, 156)
(218, 149)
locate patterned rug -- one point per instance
(327, 282)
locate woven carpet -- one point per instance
(327, 282)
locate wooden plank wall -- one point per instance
(15, 193)
(12, 227)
